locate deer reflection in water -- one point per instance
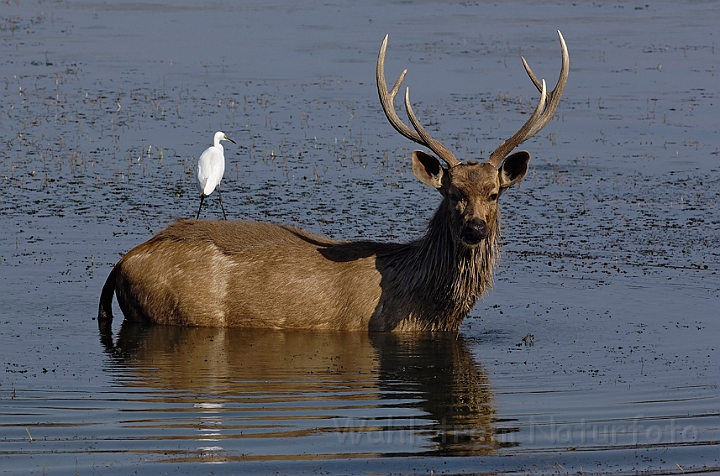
(350, 394)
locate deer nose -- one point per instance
(475, 231)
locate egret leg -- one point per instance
(202, 197)
(221, 204)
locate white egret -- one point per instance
(210, 170)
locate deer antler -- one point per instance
(543, 112)
(387, 99)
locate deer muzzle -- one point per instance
(474, 231)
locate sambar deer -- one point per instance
(247, 274)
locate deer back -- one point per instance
(244, 274)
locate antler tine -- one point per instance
(387, 99)
(564, 70)
(523, 134)
(529, 129)
(442, 151)
(556, 93)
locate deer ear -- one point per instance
(513, 169)
(427, 169)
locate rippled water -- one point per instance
(596, 352)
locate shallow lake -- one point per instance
(596, 351)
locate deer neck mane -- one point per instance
(443, 277)
(460, 272)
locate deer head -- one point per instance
(471, 190)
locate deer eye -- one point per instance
(493, 197)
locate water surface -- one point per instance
(595, 352)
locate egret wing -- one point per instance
(207, 172)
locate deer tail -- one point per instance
(105, 316)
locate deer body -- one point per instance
(260, 275)
(248, 274)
